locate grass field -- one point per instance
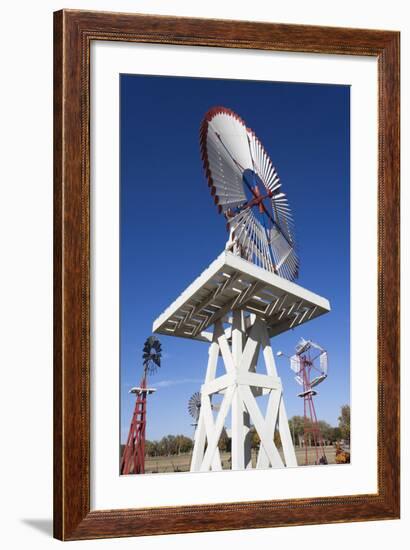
(181, 463)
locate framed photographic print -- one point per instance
(226, 275)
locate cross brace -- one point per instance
(239, 387)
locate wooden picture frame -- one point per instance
(74, 32)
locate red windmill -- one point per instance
(309, 374)
(133, 458)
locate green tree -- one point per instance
(185, 444)
(149, 447)
(297, 428)
(224, 443)
(344, 422)
(169, 445)
(276, 439)
(326, 430)
(256, 440)
(336, 434)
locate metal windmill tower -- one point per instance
(309, 364)
(244, 297)
(133, 458)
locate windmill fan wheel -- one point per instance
(247, 190)
(194, 405)
(151, 354)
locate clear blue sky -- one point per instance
(170, 229)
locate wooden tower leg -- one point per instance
(240, 387)
(201, 430)
(238, 430)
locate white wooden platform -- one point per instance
(137, 390)
(231, 283)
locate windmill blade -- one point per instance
(284, 253)
(302, 346)
(316, 346)
(318, 380)
(295, 363)
(225, 155)
(323, 362)
(253, 239)
(299, 380)
(194, 405)
(283, 218)
(247, 189)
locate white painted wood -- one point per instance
(213, 354)
(217, 430)
(206, 409)
(218, 384)
(226, 353)
(244, 362)
(272, 411)
(247, 436)
(199, 445)
(261, 427)
(237, 333)
(237, 414)
(240, 386)
(247, 418)
(207, 336)
(185, 319)
(285, 437)
(205, 426)
(267, 350)
(238, 432)
(258, 380)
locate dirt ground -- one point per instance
(181, 463)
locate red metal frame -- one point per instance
(311, 426)
(133, 458)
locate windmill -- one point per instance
(247, 190)
(194, 407)
(133, 458)
(309, 364)
(242, 299)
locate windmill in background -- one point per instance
(194, 408)
(133, 458)
(309, 364)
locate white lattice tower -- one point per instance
(240, 386)
(246, 305)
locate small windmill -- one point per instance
(309, 364)
(133, 458)
(194, 407)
